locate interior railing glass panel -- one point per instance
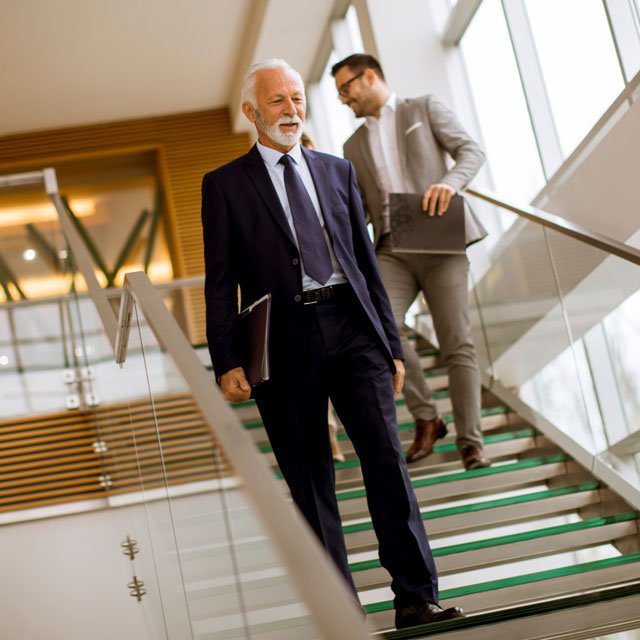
(210, 550)
(556, 322)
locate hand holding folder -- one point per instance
(254, 324)
(414, 231)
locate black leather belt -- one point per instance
(324, 294)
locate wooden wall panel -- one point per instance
(51, 459)
(188, 146)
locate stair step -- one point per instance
(528, 587)
(496, 446)
(248, 411)
(491, 418)
(575, 616)
(445, 456)
(510, 548)
(360, 536)
(466, 483)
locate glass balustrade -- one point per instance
(192, 546)
(211, 552)
(555, 322)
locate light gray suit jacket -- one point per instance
(425, 129)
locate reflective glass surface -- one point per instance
(577, 56)
(507, 134)
(555, 322)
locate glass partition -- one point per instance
(555, 322)
(48, 348)
(217, 572)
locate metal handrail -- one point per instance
(563, 226)
(111, 293)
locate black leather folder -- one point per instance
(415, 231)
(254, 328)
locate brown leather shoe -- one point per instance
(473, 458)
(427, 432)
(425, 614)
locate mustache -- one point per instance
(289, 120)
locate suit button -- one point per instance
(295, 262)
(297, 297)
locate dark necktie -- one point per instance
(311, 241)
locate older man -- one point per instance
(288, 221)
(401, 147)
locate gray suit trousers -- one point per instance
(443, 280)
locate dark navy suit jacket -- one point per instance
(248, 242)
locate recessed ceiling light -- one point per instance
(29, 255)
(4, 361)
(62, 254)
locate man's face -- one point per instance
(357, 94)
(280, 108)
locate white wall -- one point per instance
(407, 42)
(65, 578)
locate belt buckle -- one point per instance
(319, 295)
(315, 297)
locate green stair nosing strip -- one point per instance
(421, 352)
(494, 438)
(514, 581)
(440, 394)
(436, 372)
(242, 405)
(400, 402)
(405, 425)
(488, 504)
(500, 541)
(564, 603)
(466, 475)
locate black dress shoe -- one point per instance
(425, 614)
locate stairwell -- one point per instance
(535, 533)
(533, 536)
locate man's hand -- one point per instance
(436, 198)
(398, 378)
(234, 385)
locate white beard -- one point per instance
(274, 132)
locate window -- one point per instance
(578, 61)
(507, 133)
(332, 122)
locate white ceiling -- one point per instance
(73, 62)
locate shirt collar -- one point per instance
(271, 156)
(389, 105)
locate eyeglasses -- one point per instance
(343, 89)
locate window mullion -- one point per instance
(544, 128)
(625, 28)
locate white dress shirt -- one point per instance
(271, 159)
(383, 142)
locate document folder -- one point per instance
(254, 328)
(415, 231)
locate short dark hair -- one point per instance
(358, 62)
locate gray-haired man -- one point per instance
(401, 148)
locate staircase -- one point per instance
(534, 537)
(535, 534)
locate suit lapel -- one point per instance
(365, 152)
(401, 138)
(321, 183)
(257, 172)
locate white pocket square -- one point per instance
(415, 125)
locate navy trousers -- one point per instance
(337, 354)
